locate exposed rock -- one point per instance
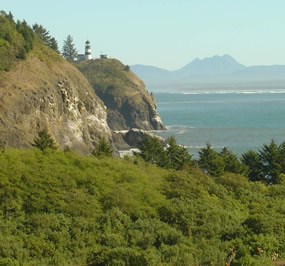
(119, 141)
(129, 104)
(52, 95)
(135, 137)
(131, 139)
(130, 152)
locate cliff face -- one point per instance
(129, 105)
(46, 92)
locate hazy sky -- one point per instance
(164, 33)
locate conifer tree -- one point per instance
(103, 149)
(231, 162)
(211, 162)
(53, 44)
(45, 37)
(251, 160)
(178, 155)
(42, 32)
(152, 150)
(282, 156)
(271, 164)
(28, 35)
(69, 51)
(44, 141)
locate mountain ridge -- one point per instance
(211, 72)
(212, 65)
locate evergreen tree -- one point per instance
(152, 150)
(270, 159)
(251, 160)
(231, 162)
(44, 141)
(178, 156)
(211, 162)
(43, 33)
(28, 35)
(103, 149)
(45, 37)
(282, 157)
(53, 44)
(8, 16)
(69, 51)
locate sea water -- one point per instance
(239, 120)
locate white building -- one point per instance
(88, 53)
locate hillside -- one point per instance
(63, 209)
(129, 104)
(46, 92)
(39, 90)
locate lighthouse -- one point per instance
(88, 54)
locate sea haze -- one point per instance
(212, 72)
(240, 120)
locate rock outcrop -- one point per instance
(39, 90)
(129, 104)
(46, 92)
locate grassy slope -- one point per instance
(111, 72)
(59, 208)
(129, 103)
(41, 68)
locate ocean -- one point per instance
(239, 120)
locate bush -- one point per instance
(44, 141)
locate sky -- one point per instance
(164, 33)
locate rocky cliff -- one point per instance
(129, 104)
(46, 92)
(39, 90)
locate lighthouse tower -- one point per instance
(88, 54)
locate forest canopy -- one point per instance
(60, 208)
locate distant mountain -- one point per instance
(216, 65)
(212, 72)
(274, 72)
(150, 73)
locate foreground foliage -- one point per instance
(60, 208)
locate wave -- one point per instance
(179, 129)
(174, 129)
(204, 146)
(264, 91)
(169, 127)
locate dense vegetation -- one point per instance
(17, 40)
(58, 208)
(109, 76)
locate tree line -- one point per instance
(18, 45)
(265, 165)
